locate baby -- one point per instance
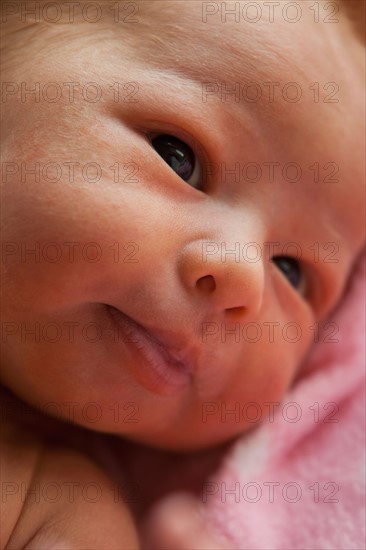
(183, 191)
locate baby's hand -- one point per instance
(175, 523)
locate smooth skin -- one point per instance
(170, 53)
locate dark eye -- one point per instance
(179, 156)
(291, 268)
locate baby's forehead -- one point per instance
(239, 39)
(204, 38)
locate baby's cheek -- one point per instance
(260, 385)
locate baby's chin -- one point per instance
(188, 439)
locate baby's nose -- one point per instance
(229, 276)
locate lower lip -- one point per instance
(151, 364)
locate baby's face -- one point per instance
(158, 298)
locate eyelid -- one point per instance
(313, 285)
(287, 291)
(318, 288)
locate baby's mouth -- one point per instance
(158, 364)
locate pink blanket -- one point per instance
(298, 481)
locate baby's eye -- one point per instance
(179, 156)
(291, 268)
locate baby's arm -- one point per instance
(33, 521)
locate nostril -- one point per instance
(206, 284)
(235, 313)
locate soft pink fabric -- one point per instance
(297, 485)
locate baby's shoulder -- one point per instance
(56, 497)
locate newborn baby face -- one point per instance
(186, 240)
